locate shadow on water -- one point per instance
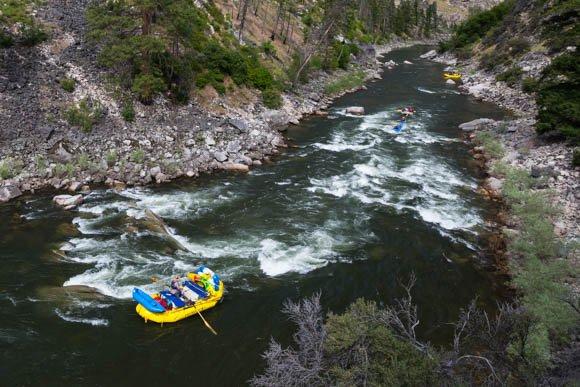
(351, 212)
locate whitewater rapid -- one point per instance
(378, 168)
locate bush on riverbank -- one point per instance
(346, 82)
(537, 266)
(558, 97)
(372, 345)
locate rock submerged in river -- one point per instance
(476, 124)
(356, 110)
(236, 167)
(68, 202)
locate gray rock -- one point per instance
(220, 156)
(476, 124)
(275, 118)
(429, 55)
(9, 192)
(74, 186)
(155, 171)
(233, 147)
(239, 125)
(68, 201)
(450, 82)
(209, 141)
(494, 184)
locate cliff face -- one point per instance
(455, 11)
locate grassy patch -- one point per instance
(138, 156)
(67, 84)
(346, 82)
(491, 144)
(111, 157)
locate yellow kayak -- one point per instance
(453, 76)
(199, 292)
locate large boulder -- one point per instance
(476, 124)
(450, 82)
(68, 201)
(9, 192)
(275, 118)
(356, 110)
(429, 55)
(240, 125)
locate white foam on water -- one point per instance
(424, 90)
(278, 258)
(97, 322)
(178, 205)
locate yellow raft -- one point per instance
(454, 76)
(174, 315)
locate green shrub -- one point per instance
(491, 144)
(40, 163)
(138, 156)
(529, 85)
(10, 167)
(268, 48)
(128, 111)
(5, 40)
(146, 86)
(83, 161)
(32, 35)
(558, 97)
(61, 170)
(260, 78)
(5, 169)
(576, 158)
(511, 76)
(111, 157)
(67, 84)
(518, 46)
(84, 115)
(272, 98)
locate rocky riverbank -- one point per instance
(40, 150)
(551, 161)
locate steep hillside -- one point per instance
(133, 91)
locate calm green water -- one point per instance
(349, 212)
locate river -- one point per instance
(350, 210)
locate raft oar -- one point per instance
(206, 323)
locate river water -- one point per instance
(350, 211)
